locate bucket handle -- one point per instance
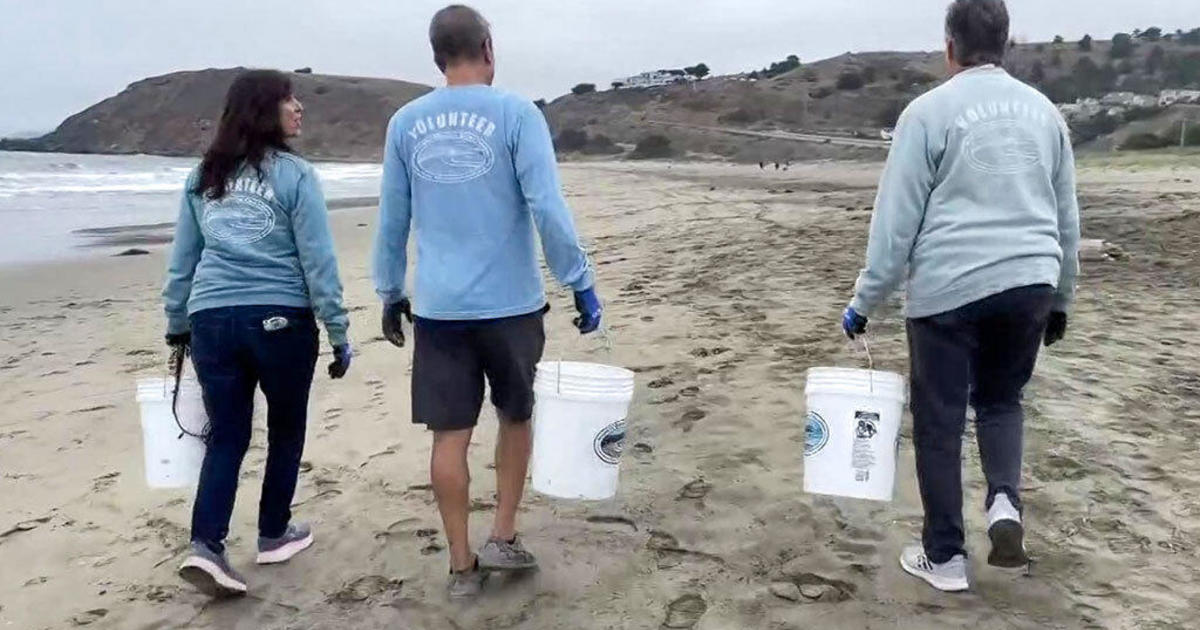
(175, 368)
(606, 338)
(870, 362)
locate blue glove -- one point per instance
(590, 311)
(852, 323)
(341, 361)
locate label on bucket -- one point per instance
(866, 427)
(816, 434)
(609, 443)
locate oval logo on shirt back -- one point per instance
(453, 156)
(1002, 147)
(239, 218)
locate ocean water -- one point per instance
(56, 206)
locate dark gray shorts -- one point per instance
(452, 360)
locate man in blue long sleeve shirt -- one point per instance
(977, 211)
(472, 170)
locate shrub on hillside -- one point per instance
(652, 147)
(869, 74)
(1122, 46)
(742, 116)
(541, 103)
(850, 80)
(1085, 44)
(890, 114)
(583, 88)
(601, 144)
(1144, 141)
(570, 140)
(821, 92)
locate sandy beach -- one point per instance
(724, 285)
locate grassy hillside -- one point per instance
(176, 114)
(858, 94)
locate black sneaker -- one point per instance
(1007, 534)
(210, 573)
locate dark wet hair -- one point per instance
(979, 30)
(250, 127)
(458, 33)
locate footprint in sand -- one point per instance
(690, 418)
(364, 588)
(685, 612)
(696, 489)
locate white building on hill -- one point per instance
(1172, 97)
(656, 78)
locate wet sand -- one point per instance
(724, 284)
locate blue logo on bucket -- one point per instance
(610, 442)
(816, 434)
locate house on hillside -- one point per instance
(1173, 97)
(1129, 100)
(657, 78)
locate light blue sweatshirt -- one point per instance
(472, 170)
(978, 197)
(265, 243)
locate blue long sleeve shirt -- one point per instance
(472, 171)
(978, 197)
(265, 243)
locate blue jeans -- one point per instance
(982, 354)
(234, 353)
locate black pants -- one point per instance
(983, 354)
(234, 353)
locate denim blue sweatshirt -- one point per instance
(265, 243)
(978, 197)
(472, 171)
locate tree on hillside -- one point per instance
(781, 67)
(1058, 39)
(583, 88)
(1037, 73)
(1085, 44)
(1122, 46)
(699, 71)
(1190, 38)
(1125, 67)
(1182, 70)
(1154, 62)
(850, 80)
(1151, 34)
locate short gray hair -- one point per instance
(458, 33)
(979, 30)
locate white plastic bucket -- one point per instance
(172, 457)
(579, 428)
(853, 432)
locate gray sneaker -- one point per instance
(469, 583)
(297, 538)
(502, 555)
(210, 573)
(949, 576)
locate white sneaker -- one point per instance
(1007, 534)
(950, 576)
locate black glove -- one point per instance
(394, 315)
(179, 340)
(341, 361)
(1056, 328)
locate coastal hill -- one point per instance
(176, 114)
(855, 95)
(861, 94)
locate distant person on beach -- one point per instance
(977, 213)
(253, 258)
(471, 170)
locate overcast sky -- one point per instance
(59, 56)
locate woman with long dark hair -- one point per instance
(253, 259)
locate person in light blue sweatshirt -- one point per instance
(470, 171)
(977, 211)
(252, 260)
